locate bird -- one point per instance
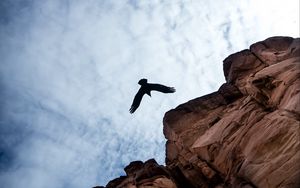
(146, 88)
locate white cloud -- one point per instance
(69, 72)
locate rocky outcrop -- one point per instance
(246, 134)
(143, 175)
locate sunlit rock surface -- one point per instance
(246, 134)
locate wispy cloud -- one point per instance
(69, 72)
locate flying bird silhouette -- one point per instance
(146, 88)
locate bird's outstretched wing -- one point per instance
(137, 100)
(162, 88)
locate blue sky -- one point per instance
(69, 72)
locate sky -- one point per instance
(69, 72)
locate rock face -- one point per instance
(246, 134)
(143, 175)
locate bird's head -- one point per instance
(142, 81)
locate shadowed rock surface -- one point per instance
(246, 134)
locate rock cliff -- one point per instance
(246, 134)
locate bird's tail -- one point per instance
(171, 90)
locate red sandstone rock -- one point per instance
(247, 134)
(253, 139)
(144, 175)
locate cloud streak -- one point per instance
(69, 72)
